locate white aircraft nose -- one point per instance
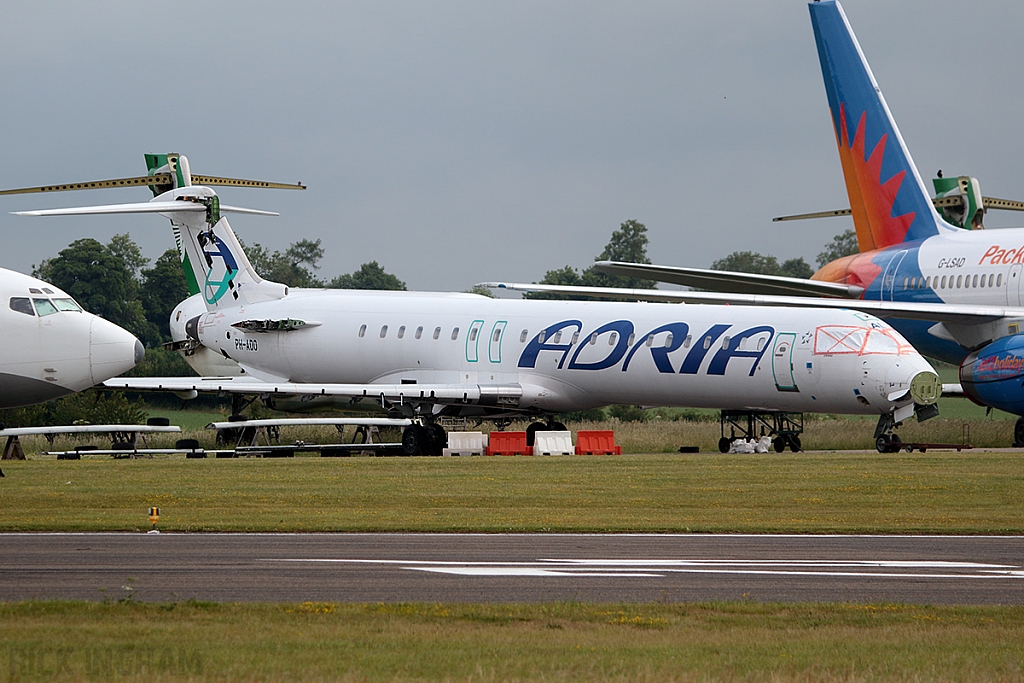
(914, 375)
(112, 350)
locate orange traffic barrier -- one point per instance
(508, 443)
(597, 442)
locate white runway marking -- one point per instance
(658, 568)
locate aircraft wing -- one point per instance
(489, 395)
(940, 313)
(727, 281)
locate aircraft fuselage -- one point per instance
(572, 355)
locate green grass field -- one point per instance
(862, 492)
(832, 491)
(551, 642)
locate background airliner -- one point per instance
(50, 347)
(424, 355)
(956, 294)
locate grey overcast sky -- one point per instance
(456, 142)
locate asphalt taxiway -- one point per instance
(513, 567)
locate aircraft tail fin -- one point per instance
(888, 199)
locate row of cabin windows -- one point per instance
(557, 337)
(951, 282)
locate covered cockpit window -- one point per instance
(839, 339)
(44, 307)
(21, 304)
(67, 305)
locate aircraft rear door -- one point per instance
(494, 346)
(1013, 285)
(473, 341)
(782, 361)
(891, 273)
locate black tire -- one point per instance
(186, 444)
(882, 443)
(122, 446)
(438, 439)
(237, 418)
(414, 440)
(158, 422)
(531, 432)
(794, 444)
(895, 443)
(1018, 433)
(723, 445)
(779, 444)
(557, 427)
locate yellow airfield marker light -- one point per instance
(154, 517)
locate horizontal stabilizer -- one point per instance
(156, 179)
(141, 207)
(727, 281)
(939, 202)
(942, 312)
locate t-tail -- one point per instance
(889, 202)
(212, 258)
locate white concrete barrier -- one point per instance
(553, 443)
(466, 443)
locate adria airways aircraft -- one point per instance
(424, 355)
(50, 347)
(956, 294)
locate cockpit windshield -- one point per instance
(67, 305)
(44, 307)
(862, 341)
(22, 304)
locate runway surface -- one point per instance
(513, 567)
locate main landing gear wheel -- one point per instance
(888, 443)
(438, 439)
(415, 441)
(1018, 433)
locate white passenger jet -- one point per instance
(424, 355)
(50, 347)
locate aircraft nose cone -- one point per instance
(112, 350)
(925, 388)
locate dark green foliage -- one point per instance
(87, 407)
(592, 415)
(843, 244)
(628, 244)
(481, 290)
(760, 264)
(102, 280)
(369, 276)
(796, 267)
(627, 413)
(160, 362)
(163, 287)
(288, 268)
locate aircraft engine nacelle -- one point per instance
(993, 375)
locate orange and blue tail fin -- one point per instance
(887, 197)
